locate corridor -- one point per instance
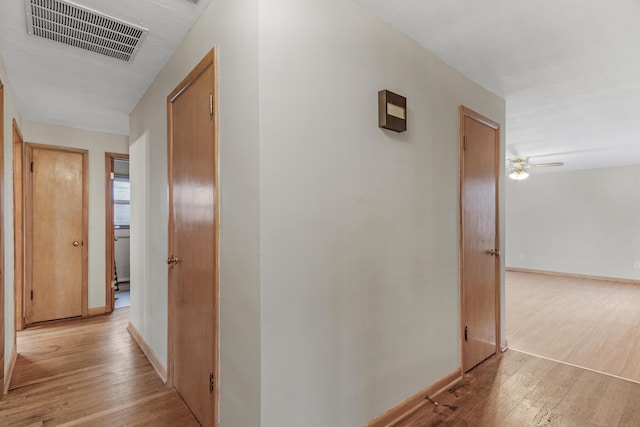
(88, 372)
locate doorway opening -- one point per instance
(118, 226)
(583, 321)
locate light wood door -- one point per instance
(193, 240)
(56, 233)
(480, 273)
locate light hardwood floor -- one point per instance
(590, 323)
(88, 372)
(517, 389)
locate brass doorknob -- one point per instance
(76, 243)
(494, 252)
(172, 260)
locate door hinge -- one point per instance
(31, 166)
(211, 104)
(211, 382)
(32, 294)
(466, 333)
(465, 143)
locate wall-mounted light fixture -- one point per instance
(392, 111)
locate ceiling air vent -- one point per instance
(83, 28)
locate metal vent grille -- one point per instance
(83, 28)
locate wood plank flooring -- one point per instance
(88, 372)
(590, 323)
(517, 389)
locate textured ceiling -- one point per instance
(59, 84)
(569, 70)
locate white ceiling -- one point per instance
(55, 83)
(568, 69)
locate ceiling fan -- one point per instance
(518, 167)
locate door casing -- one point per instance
(468, 113)
(18, 225)
(2, 322)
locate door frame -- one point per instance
(466, 112)
(109, 229)
(210, 59)
(18, 225)
(2, 231)
(29, 146)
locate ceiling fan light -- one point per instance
(519, 174)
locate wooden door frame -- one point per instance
(211, 59)
(2, 231)
(109, 158)
(466, 112)
(18, 225)
(29, 146)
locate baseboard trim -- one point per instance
(413, 403)
(10, 367)
(146, 349)
(97, 311)
(574, 275)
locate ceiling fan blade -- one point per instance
(545, 165)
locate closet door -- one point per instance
(56, 233)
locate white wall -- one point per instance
(10, 112)
(359, 226)
(232, 25)
(339, 241)
(581, 222)
(98, 143)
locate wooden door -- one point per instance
(480, 267)
(56, 233)
(193, 240)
